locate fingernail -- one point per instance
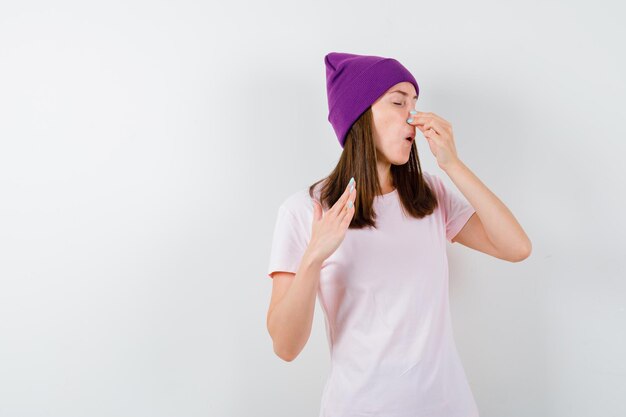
(351, 180)
(350, 204)
(352, 188)
(409, 120)
(413, 111)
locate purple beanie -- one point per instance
(355, 82)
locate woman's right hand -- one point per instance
(329, 228)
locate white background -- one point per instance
(145, 148)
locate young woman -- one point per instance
(369, 241)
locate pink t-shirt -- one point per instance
(384, 294)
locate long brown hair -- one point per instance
(358, 159)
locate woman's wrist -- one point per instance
(312, 258)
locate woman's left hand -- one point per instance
(438, 133)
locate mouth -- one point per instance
(409, 139)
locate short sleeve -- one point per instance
(455, 208)
(289, 242)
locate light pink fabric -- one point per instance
(384, 294)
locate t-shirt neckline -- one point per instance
(388, 195)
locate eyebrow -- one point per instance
(401, 92)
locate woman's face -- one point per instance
(391, 130)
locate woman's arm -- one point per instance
(290, 315)
(496, 226)
(493, 229)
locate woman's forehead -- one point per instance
(404, 88)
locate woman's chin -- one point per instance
(401, 159)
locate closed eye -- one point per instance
(400, 104)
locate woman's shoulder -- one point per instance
(428, 176)
(433, 181)
(300, 202)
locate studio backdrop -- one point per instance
(146, 147)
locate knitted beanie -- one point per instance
(355, 82)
